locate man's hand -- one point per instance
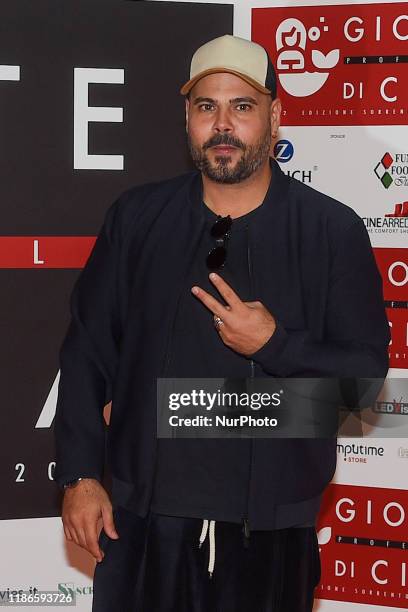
(247, 326)
(82, 507)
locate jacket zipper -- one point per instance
(246, 527)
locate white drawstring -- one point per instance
(211, 561)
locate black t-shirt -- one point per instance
(191, 473)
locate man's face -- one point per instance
(230, 126)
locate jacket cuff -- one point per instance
(63, 479)
(268, 356)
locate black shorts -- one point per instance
(157, 566)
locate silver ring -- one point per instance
(218, 321)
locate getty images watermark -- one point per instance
(236, 401)
(278, 407)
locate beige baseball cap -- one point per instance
(239, 56)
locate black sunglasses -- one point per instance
(216, 258)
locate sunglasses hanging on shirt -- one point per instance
(216, 258)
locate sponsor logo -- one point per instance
(304, 176)
(393, 170)
(395, 407)
(69, 588)
(338, 65)
(381, 170)
(400, 210)
(283, 151)
(395, 222)
(359, 453)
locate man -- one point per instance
(296, 293)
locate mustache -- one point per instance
(223, 139)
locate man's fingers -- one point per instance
(108, 524)
(226, 290)
(208, 300)
(81, 537)
(74, 535)
(86, 537)
(91, 534)
(67, 533)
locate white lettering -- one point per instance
(401, 513)
(395, 27)
(36, 260)
(358, 32)
(84, 114)
(374, 574)
(391, 269)
(350, 513)
(382, 89)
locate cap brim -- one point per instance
(187, 86)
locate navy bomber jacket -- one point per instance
(313, 268)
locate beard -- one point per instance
(221, 171)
